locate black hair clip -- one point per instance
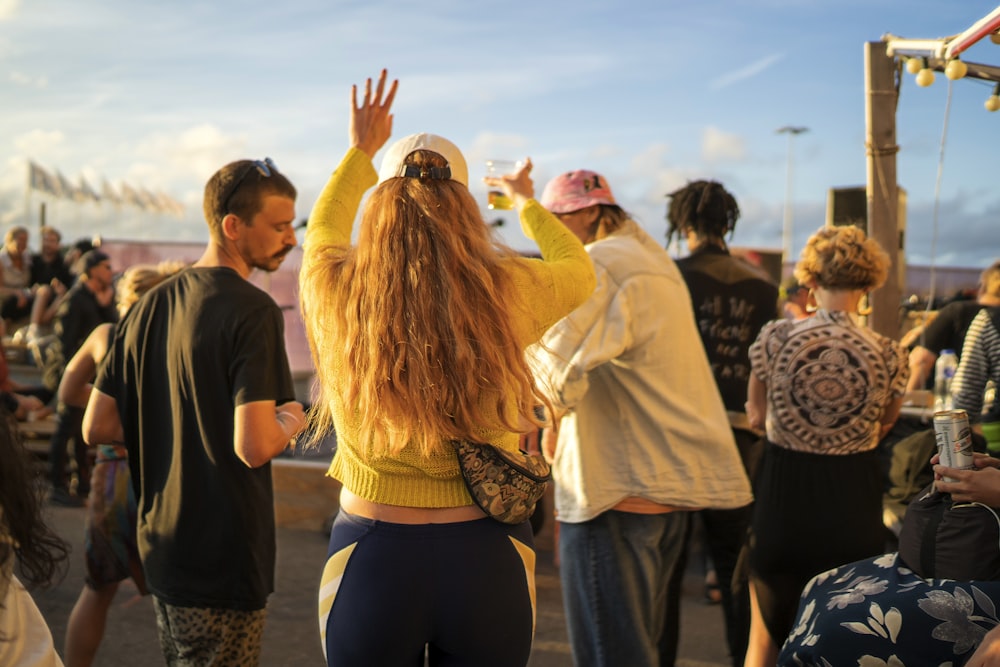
(439, 173)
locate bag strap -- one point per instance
(928, 542)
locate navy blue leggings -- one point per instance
(462, 592)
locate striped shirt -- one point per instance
(980, 362)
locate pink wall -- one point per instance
(282, 285)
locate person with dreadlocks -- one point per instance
(732, 300)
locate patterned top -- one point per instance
(828, 382)
(11, 275)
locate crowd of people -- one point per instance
(674, 398)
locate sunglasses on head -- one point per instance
(266, 168)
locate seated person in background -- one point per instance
(879, 612)
(77, 250)
(15, 275)
(50, 280)
(948, 329)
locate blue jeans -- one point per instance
(616, 571)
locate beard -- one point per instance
(272, 263)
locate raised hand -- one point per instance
(518, 186)
(371, 122)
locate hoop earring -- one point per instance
(864, 308)
(811, 306)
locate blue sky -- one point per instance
(651, 93)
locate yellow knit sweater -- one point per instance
(553, 287)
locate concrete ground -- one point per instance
(292, 635)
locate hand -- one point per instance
(980, 485)
(26, 405)
(371, 123)
(517, 186)
(292, 418)
(984, 461)
(988, 653)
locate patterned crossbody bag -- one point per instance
(506, 485)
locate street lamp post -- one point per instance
(786, 234)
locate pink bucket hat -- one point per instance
(575, 190)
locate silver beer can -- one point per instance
(954, 439)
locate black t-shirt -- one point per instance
(78, 315)
(183, 358)
(732, 302)
(42, 272)
(947, 330)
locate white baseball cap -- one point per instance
(393, 164)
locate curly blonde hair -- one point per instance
(413, 327)
(843, 258)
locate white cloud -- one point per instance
(39, 143)
(22, 79)
(718, 146)
(495, 146)
(193, 154)
(750, 71)
(8, 8)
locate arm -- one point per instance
(897, 388)
(333, 214)
(593, 334)
(101, 422)
(262, 430)
(76, 383)
(921, 365)
(756, 405)
(566, 278)
(890, 415)
(20, 406)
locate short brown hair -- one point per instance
(240, 188)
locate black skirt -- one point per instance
(812, 513)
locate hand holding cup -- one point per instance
(509, 182)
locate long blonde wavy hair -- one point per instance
(413, 327)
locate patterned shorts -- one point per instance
(111, 523)
(203, 637)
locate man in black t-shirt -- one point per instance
(51, 278)
(197, 386)
(89, 303)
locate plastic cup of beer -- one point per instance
(496, 199)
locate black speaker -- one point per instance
(847, 206)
